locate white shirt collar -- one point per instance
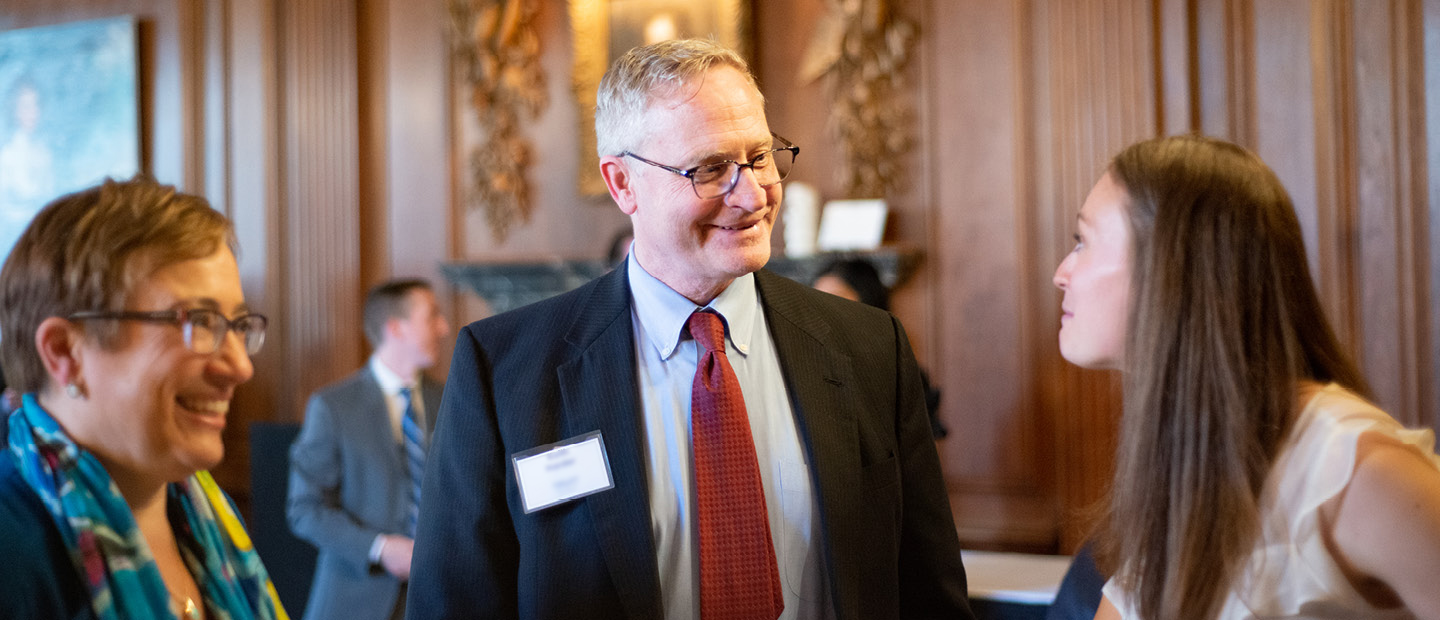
(663, 312)
(390, 383)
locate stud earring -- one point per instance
(73, 390)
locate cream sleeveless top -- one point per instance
(1290, 573)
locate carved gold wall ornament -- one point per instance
(860, 48)
(499, 52)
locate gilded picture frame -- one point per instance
(605, 29)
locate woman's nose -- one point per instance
(1061, 280)
(232, 361)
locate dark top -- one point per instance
(38, 579)
(1079, 594)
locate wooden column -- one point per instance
(320, 179)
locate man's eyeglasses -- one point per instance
(717, 179)
(204, 329)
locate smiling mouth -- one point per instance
(205, 407)
(738, 227)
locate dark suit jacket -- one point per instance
(39, 580)
(567, 366)
(348, 484)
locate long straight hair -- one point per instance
(1224, 323)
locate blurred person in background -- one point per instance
(126, 330)
(355, 468)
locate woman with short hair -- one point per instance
(123, 323)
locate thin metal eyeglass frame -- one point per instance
(180, 317)
(734, 177)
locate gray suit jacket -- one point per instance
(348, 484)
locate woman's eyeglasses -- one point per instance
(204, 329)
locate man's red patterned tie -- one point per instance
(739, 578)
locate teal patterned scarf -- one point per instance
(105, 544)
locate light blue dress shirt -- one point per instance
(666, 367)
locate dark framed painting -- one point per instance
(606, 29)
(69, 114)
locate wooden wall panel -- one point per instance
(1033, 99)
(1390, 206)
(320, 168)
(419, 201)
(1290, 135)
(373, 139)
(978, 253)
(1221, 81)
(338, 167)
(1430, 25)
(1329, 182)
(252, 194)
(1175, 40)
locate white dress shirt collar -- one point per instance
(390, 383)
(664, 312)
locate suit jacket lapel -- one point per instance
(818, 377)
(599, 391)
(821, 382)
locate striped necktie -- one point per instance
(414, 457)
(739, 578)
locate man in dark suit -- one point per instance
(351, 491)
(565, 481)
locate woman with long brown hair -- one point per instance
(1254, 479)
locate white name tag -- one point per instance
(560, 472)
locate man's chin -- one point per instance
(755, 254)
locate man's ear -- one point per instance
(58, 343)
(392, 329)
(619, 181)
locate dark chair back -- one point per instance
(291, 561)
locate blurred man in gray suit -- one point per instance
(354, 469)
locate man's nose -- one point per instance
(747, 193)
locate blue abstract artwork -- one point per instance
(69, 114)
